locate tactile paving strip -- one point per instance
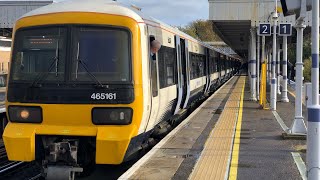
(167, 158)
(215, 158)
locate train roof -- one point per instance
(100, 6)
(108, 7)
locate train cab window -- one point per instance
(104, 51)
(39, 51)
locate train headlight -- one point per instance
(25, 114)
(112, 116)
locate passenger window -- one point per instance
(167, 66)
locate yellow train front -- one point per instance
(83, 89)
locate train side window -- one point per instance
(212, 61)
(194, 65)
(201, 65)
(204, 65)
(167, 66)
(198, 66)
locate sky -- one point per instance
(173, 12)
(176, 12)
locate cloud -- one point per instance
(178, 12)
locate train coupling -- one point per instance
(61, 160)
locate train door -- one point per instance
(154, 84)
(185, 65)
(207, 70)
(180, 78)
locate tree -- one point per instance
(306, 49)
(307, 70)
(201, 30)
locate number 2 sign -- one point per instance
(265, 29)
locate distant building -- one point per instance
(11, 10)
(5, 50)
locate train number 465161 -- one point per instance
(104, 96)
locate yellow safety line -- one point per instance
(236, 143)
(292, 94)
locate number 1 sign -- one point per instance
(264, 29)
(285, 29)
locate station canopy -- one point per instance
(233, 19)
(11, 10)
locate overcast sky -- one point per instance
(173, 12)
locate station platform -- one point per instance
(227, 137)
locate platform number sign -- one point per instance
(285, 29)
(265, 29)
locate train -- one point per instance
(83, 90)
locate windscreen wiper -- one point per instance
(92, 76)
(42, 76)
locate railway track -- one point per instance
(5, 164)
(10, 168)
(3, 154)
(37, 176)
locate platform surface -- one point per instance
(227, 137)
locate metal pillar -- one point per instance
(285, 70)
(278, 67)
(263, 87)
(267, 58)
(263, 50)
(253, 64)
(258, 68)
(298, 126)
(273, 92)
(313, 139)
(270, 65)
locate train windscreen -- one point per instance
(39, 51)
(105, 52)
(72, 54)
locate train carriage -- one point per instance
(83, 89)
